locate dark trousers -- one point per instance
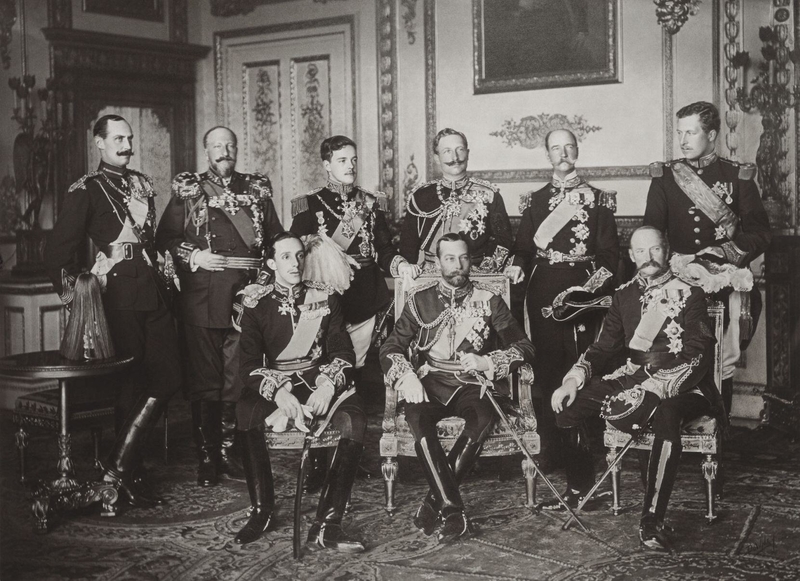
(466, 403)
(212, 363)
(150, 337)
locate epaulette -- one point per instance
(260, 186)
(321, 286)
(747, 171)
(143, 176)
(607, 199)
(420, 186)
(420, 288)
(485, 184)
(656, 169)
(81, 183)
(380, 198)
(300, 202)
(254, 293)
(525, 202)
(186, 185)
(495, 289)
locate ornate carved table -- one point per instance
(65, 492)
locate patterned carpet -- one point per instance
(756, 537)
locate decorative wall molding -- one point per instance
(430, 86)
(9, 315)
(410, 182)
(410, 19)
(387, 97)
(530, 132)
(226, 8)
(58, 332)
(153, 10)
(668, 91)
(673, 14)
(544, 174)
(732, 115)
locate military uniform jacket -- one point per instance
(433, 320)
(95, 206)
(663, 329)
(198, 217)
(690, 230)
(269, 322)
(472, 206)
(323, 210)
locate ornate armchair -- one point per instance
(701, 435)
(514, 395)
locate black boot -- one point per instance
(580, 469)
(461, 459)
(327, 532)
(205, 422)
(663, 468)
(317, 469)
(727, 395)
(258, 472)
(129, 447)
(452, 521)
(228, 464)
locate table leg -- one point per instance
(65, 467)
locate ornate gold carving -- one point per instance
(673, 14)
(668, 90)
(387, 88)
(409, 19)
(530, 132)
(732, 115)
(544, 174)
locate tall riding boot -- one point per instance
(727, 394)
(580, 468)
(205, 421)
(129, 447)
(453, 522)
(461, 459)
(258, 473)
(317, 469)
(664, 461)
(228, 464)
(327, 532)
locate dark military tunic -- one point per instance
(135, 298)
(323, 210)
(471, 206)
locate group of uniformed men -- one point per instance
(291, 343)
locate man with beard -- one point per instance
(712, 213)
(214, 227)
(456, 203)
(457, 329)
(661, 325)
(115, 207)
(355, 220)
(295, 357)
(567, 238)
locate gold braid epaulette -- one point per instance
(186, 185)
(413, 292)
(381, 198)
(525, 201)
(418, 188)
(485, 184)
(495, 289)
(143, 176)
(81, 183)
(260, 186)
(656, 169)
(300, 202)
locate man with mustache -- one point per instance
(215, 226)
(660, 325)
(115, 207)
(456, 203)
(567, 238)
(712, 213)
(354, 218)
(456, 329)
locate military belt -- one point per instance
(444, 364)
(123, 250)
(295, 365)
(555, 256)
(242, 263)
(651, 358)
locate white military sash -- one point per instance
(652, 321)
(477, 308)
(559, 217)
(704, 198)
(307, 327)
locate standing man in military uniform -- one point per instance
(456, 203)
(215, 226)
(114, 206)
(712, 213)
(567, 238)
(296, 360)
(660, 324)
(457, 328)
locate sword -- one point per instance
(317, 427)
(486, 389)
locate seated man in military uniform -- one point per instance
(457, 329)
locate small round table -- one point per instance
(65, 492)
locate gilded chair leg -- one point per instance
(610, 457)
(389, 468)
(21, 438)
(530, 482)
(97, 435)
(709, 467)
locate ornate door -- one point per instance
(283, 90)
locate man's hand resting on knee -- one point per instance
(568, 391)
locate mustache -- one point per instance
(125, 152)
(455, 162)
(224, 158)
(651, 263)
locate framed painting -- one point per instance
(519, 45)
(140, 9)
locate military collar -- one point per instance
(453, 186)
(215, 178)
(344, 190)
(704, 161)
(112, 171)
(572, 180)
(646, 284)
(296, 290)
(452, 293)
